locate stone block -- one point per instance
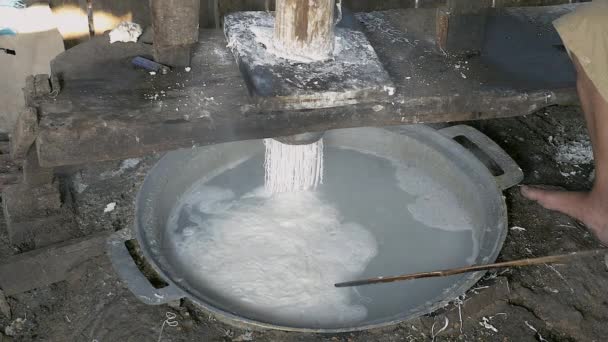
(24, 133)
(33, 173)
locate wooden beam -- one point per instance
(109, 111)
(45, 266)
(305, 28)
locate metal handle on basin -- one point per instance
(129, 273)
(512, 172)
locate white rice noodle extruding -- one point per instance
(276, 255)
(293, 167)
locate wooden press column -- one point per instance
(461, 25)
(175, 24)
(305, 27)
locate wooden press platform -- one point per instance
(108, 110)
(353, 75)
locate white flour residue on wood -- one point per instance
(344, 79)
(293, 167)
(265, 36)
(252, 38)
(377, 22)
(276, 256)
(575, 152)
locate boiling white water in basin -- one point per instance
(279, 254)
(293, 167)
(275, 258)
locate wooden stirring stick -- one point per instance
(443, 273)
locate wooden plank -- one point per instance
(35, 216)
(22, 203)
(120, 112)
(228, 6)
(45, 266)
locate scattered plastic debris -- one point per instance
(519, 229)
(435, 334)
(150, 65)
(125, 32)
(187, 69)
(110, 207)
(171, 321)
(152, 73)
(540, 338)
(460, 302)
(476, 290)
(560, 276)
(485, 322)
(125, 165)
(389, 90)
(377, 108)
(248, 336)
(15, 327)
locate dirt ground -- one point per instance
(538, 303)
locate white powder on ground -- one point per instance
(278, 255)
(575, 152)
(293, 167)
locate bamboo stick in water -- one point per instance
(453, 271)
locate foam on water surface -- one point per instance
(435, 206)
(279, 254)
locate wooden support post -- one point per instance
(305, 28)
(461, 25)
(34, 174)
(35, 216)
(24, 133)
(176, 25)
